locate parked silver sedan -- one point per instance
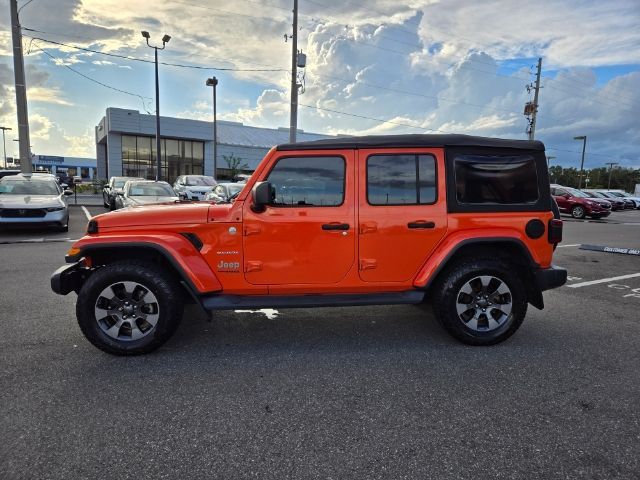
(35, 200)
(145, 192)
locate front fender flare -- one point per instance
(175, 248)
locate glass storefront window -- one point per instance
(179, 157)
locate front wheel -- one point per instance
(481, 301)
(578, 212)
(129, 307)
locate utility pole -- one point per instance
(21, 91)
(611, 164)
(4, 145)
(584, 146)
(293, 124)
(213, 82)
(531, 109)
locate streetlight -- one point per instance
(4, 145)
(584, 146)
(165, 40)
(549, 158)
(213, 82)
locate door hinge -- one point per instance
(252, 266)
(368, 263)
(368, 227)
(251, 230)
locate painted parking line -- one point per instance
(572, 245)
(603, 280)
(86, 212)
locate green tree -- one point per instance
(234, 164)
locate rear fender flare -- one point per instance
(450, 246)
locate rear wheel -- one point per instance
(578, 212)
(129, 307)
(481, 301)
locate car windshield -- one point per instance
(150, 190)
(235, 188)
(14, 186)
(617, 194)
(578, 193)
(119, 183)
(200, 181)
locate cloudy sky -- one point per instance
(373, 66)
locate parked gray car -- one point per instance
(194, 187)
(35, 200)
(112, 189)
(145, 192)
(224, 191)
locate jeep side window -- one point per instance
(496, 179)
(401, 179)
(308, 181)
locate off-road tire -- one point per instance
(446, 291)
(164, 287)
(578, 211)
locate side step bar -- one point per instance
(232, 302)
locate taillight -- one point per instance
(555, 231)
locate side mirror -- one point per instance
(67, 192)
(263, 195)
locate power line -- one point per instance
(416, 94)
(94, 80)
(143, 60)
(380, 120)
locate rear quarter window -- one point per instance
(495, 179)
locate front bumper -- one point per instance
(59, 218)
(552, 277)
(69, 278)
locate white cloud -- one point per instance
(439, 65)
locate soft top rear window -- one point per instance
(496, 179)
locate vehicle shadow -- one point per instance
(304, 330)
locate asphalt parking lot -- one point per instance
(375, 392)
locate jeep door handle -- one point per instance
(335, 226)
(421, 224)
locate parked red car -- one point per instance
(578, 204)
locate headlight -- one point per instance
(54, 209)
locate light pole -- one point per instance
(4, 145)
(549, 158)
(165, 40)
(213, 82)
(584, 146)
(611, 164)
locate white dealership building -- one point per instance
(125, 144)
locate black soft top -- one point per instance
(414, 140)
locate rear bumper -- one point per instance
(548, 278)
(68, 278)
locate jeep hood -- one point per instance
(162, 214)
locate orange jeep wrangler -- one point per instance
(465, 223)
